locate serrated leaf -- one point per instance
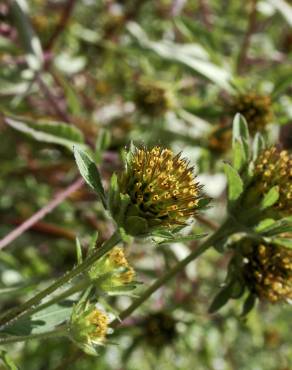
(221, 299)
(48, 131)
(235, 183)
(7, 360)
(90, 173)
(270, 198)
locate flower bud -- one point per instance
(114, 271)
(157, 189)
(88, 327)
(159, 329)
(255, 108)
(152, 98)
(274, 168)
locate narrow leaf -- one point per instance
(221, 299)
(48, 131)
(90, 173)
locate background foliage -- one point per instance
(98, 74)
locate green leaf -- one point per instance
(193, 56)
(8, 362)
(48, 131)
(42, 321)
(235, 183)
(78, 251)
(264, 224)
(240, 142)
(175, 239)
(258, 145)
(90, 173)
(270, 198)
(31, 44)
(102, 143)
(221, 299)
(240, 129)
(284, 242)
(278, 227)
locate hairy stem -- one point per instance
(59, 332)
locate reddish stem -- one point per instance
(59, 198)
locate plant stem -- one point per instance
(59, 332)
(17, 312)
(217, 236)
(67, 293)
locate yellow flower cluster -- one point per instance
(98, 321)
(268, 272)
(162, 185)
(117, 259)
(274, 168)
(255, 108)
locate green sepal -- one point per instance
(248, 304)
(270, 198)
(220, 299)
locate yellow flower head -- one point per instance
(98, 321)
(268, 272)
(161, 186)
(274, 168)
(255, 108)
(88, 326)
